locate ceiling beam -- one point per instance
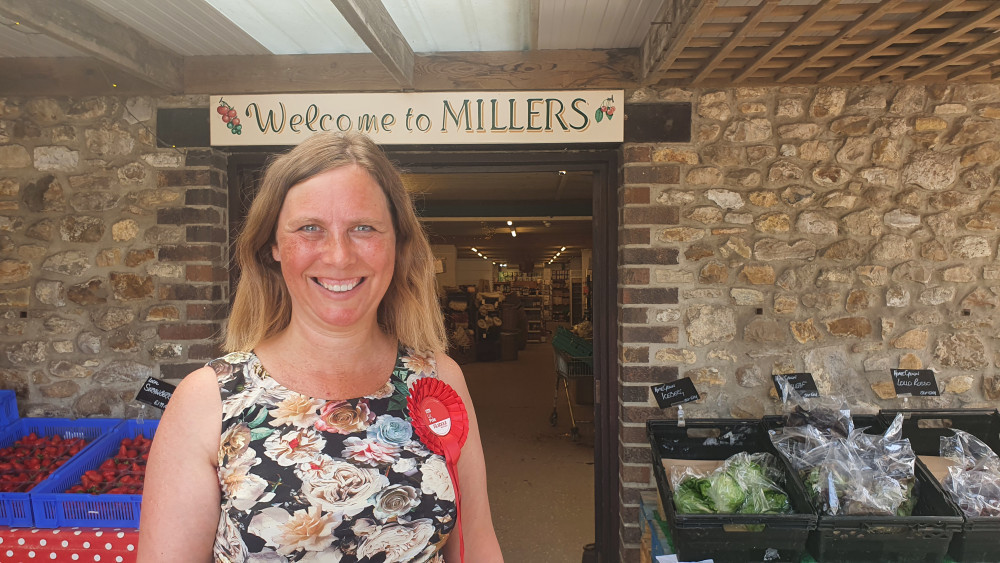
(915, 23)
(534, 11)
(748, 25)
(849, 31)
(675, 25)
(973, 69)
(68, 76)
(959, 54)
(79, 26)
(373, 24)
(967, 25)
(803, 24)
(508, 70)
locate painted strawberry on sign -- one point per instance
(606, 109)
(229, 117)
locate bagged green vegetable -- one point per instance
(743, 484)
(689, 498)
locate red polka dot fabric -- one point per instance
(103, 545)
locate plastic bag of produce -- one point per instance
(974, 481)
(743, 484)
(847, 471)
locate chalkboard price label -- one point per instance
(675, 393)
(155, 392)
(803, 383)
(914, 382)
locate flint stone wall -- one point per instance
(840, 231)
(113, 253)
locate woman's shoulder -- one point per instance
(230, 361)
(449, 371)
(232, 365)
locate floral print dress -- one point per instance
(313, 480)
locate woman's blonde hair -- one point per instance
(262, 307)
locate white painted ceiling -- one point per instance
(259, 27)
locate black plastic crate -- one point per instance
(737, 538)
(978, 539)
(921, 537)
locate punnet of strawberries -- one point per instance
(121, 474)
(33, 458)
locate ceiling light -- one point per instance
(513, 233)
(509, 223)
(474, 249)
(562, 172)
(563, 249)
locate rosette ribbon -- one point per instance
(441, 422)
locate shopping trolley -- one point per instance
(574, 357)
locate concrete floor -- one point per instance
(541, 482)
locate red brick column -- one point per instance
(193, 308)
(646, 319)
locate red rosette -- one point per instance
(438, 414)
(441, 422)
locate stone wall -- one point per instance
(841, 231)
(113, 253)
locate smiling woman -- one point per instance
(335, 320)
(335, 244)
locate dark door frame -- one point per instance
(605, 164)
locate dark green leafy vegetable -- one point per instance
(726, 493)
(745, 484)
(688, 498)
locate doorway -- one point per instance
(603, 167)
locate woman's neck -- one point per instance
(348, 363)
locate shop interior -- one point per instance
(513, 261)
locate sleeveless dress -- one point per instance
(315, 480)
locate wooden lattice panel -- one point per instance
(717, 42)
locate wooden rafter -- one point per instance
(966, 26)
(675, 25)
(906, 29)
(90, 31)
(748, 25)
(959, 54)
(832, 43)
(534, 12)
(372, 22)
(807, 20)
(973, 69)
(507, 70)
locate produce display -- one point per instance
(845, 470)
(121, 474)
(32, 458)
(743, 484)
(974, 481)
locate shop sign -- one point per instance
(422, 118)
(675, 393)
(802, 383)
(155, 392)
(910, 382)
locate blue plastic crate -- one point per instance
(15, 508)
(54, 508)
(8, 408)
